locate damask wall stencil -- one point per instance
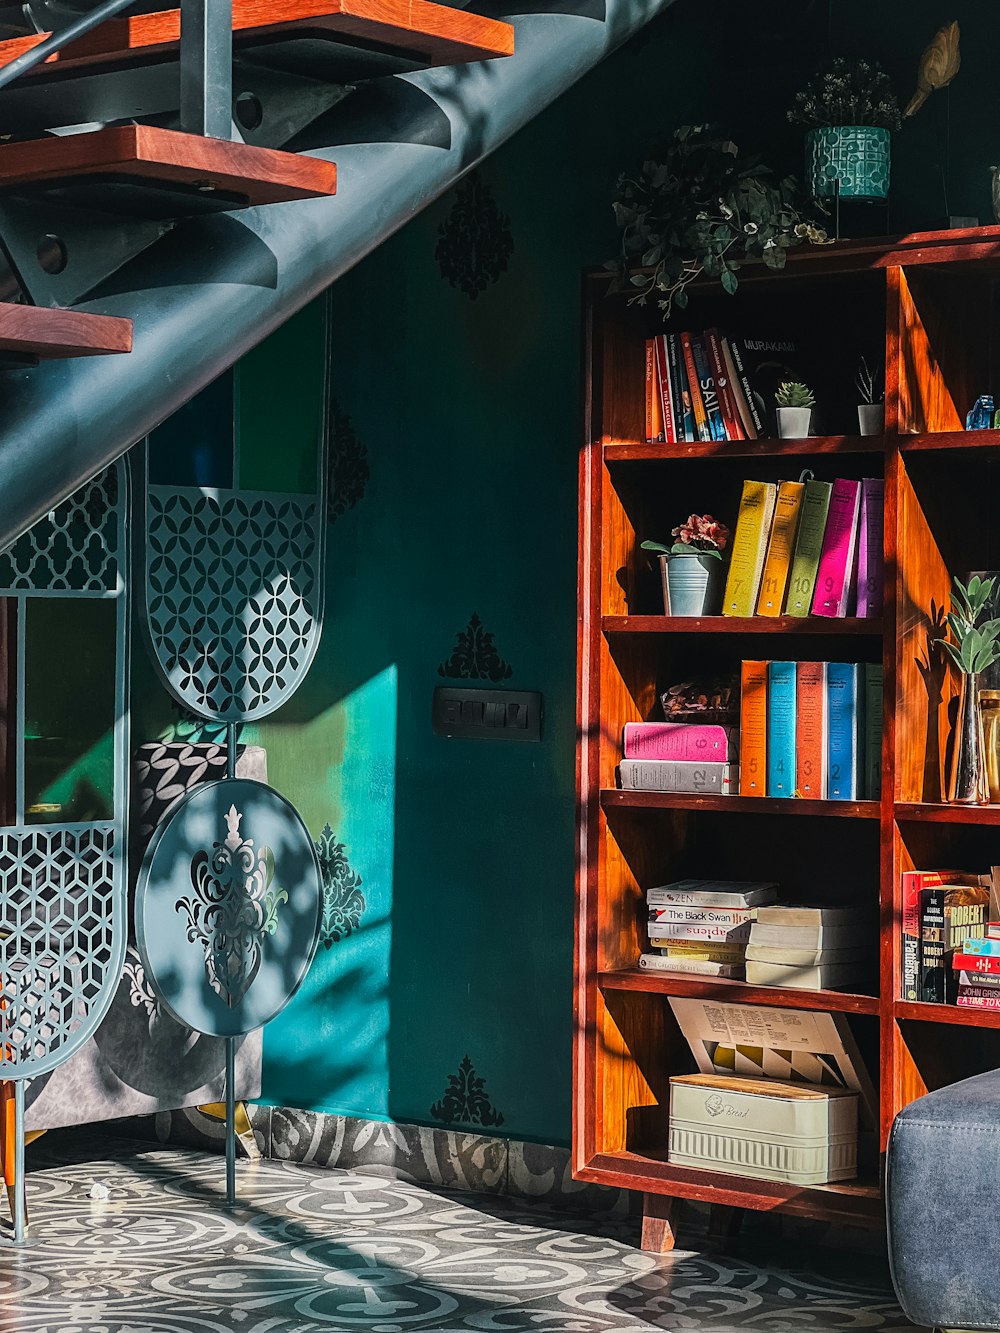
(475, 242)
(343, 901)
(475, 655)
(348, 472)
(465, 1100)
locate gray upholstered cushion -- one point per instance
(943, 1192)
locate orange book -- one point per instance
(810, 731)
(784, 528)
(654, 409)
(701, 428)
(753, 729)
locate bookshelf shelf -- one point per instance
(613, 799)
(667, 983)
(947, 1013)
(798, 625)
(932, 297)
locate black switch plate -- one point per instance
(487, 715)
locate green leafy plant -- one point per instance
(703, 208)
(976, 646)
(847, 92)
(869, 383)
(700, 535)
(793, 394)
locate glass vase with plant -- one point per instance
(974, 646)
(691, 569)
(849, 110)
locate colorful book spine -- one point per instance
(836, 562)
(711, 934)
(749, 430)
(650, 388)
(753, 406)
(781, 729)
(810, 731)
(976, 963)
(746, 563)
(933, 963)
(808, 547)
(983, 946)
(912, 884)
(684, 742)
(717, 364)
(729, 916)
(713, 779)
(679, 388)
(871, 563)
(701, 427)
(845, 699)
(977, 997)
(708, 387)
(873, 731)
(657, 962)
(777, 565)
(666, 397)
(753, 728)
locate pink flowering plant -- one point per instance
(700, 534)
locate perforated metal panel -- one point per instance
(62, 885)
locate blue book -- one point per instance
(845, 709)
(709, 393)
(981, 946)
(781, 728)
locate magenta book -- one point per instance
(870, 561)
(836, 561)
(688, 742)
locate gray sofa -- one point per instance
(942, 1188)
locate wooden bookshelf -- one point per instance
(931, 301)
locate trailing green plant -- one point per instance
(976, 646)
(847, 92)
(793, 394)
(700, 535)
(703, 208)
(869, 383)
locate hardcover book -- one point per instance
(746, 563)
(836, 561)
(719, 779)
(845, 700)
(781, 765)
(810, 731)
(873, 731)
(666, 397)
(870, 539)
(753, 729)
(808, 547)
(684, 742)
(784, 528)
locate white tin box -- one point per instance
(794, 1132)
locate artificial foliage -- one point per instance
(976, 643)
(703, 208)
(794, 394)
(847, 92)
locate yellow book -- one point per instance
(753, 729)
(787, 508)
(753, 526)
(720, 953)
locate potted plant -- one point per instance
(976, 647)
(849, 110)
(795, 403)
(692, 569)
(703, 208)
(871, 409)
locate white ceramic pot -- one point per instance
(794, 422)
(871, 418)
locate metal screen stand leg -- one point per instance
(230, 1120)
(20, 1212)
(206, 68)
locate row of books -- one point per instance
(945, 917)
(701, 386)
(808, 547)
(811, 729)
(739, 931)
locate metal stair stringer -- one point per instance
(216, 286)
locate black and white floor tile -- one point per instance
(308, 1250)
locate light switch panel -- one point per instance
(487, 715)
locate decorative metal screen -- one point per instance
(62, 884)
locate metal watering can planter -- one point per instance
(856, 156)
(693, 583)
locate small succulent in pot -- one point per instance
(795, 403)
(871, 393)
(692, 568)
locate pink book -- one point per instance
(663, 380)
(870, 563)
(686, 742)
(836, 561)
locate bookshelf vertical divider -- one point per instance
(930, 300)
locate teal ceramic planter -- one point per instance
(856, 155)
(692, 584)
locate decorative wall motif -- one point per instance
(140, 993)
(233, 909)
(475, 656)
(465, 1100)
(232, 596)
(347, 464)
(343, 901)
(74, 548)
(474, 241)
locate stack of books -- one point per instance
(943, 914)
(808, 948)
(976, 967)
(808, 547)
(702, 926)
(811, 730)
(694, 757)
(706, 386)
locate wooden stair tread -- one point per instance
(150, 155)
(428, 33)
(38, 331)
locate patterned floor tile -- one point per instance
(310, 1250)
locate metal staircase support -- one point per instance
(215, 286)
